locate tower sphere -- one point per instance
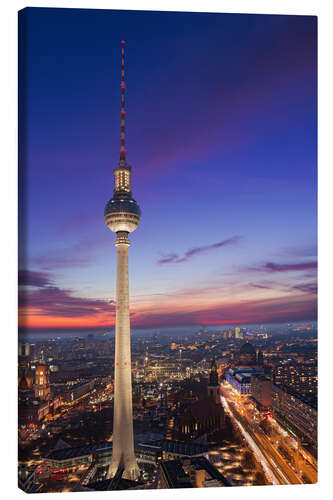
(122, 214)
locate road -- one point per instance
(276, 468)
(302, 461)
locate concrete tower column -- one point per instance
(122, 215)
(123, 442)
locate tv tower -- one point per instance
(122, 215)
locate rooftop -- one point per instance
(62, 453)
(80, 451)
(176, 447)
(105, 485)
(312, 403)
(205, 408)
(245, 371)
(247, 348)
(177, 477)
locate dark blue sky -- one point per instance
(221, 134)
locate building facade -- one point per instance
(301, 378)
(42, 382)
(261, 390)
(296, 413)
(240, 378)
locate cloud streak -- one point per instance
(258, 285)
(310, 251)
(61, 262)
(192, 252)
(273, 267)
(79, 255)
(33, 278)
(307, 288)
(46, 299)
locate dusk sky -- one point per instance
(221, 134)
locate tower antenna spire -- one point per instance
(122, 111)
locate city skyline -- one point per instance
(223, 385)
(224, 157)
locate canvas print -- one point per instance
(167, 250)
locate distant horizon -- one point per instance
(163, 332)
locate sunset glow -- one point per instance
(223, 151)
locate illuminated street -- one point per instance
(275, 465)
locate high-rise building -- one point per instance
(213, 384)
(122, 215)
(229, 333)
(260, 358)
(301, 378)
(296, 413)
(163, 398)
(237, 333)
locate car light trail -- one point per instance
(259, 455)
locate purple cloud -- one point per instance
(51, 300)
(257, 285)
(168, 259)
(307, 287)
(273, 267)
(310, 251)
(33, 278)
(80, 254)
(176, 259)
(48, 262)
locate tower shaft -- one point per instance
(123, 442)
